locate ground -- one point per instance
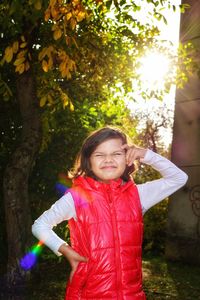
(162, 280)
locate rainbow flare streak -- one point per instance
(30, 259)
(63, 184)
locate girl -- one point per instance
(104, 210)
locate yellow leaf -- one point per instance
(20, 68)
(42, 54)
(57, 34)
(64, 73)
(69, 75)
(50, 99)
(22, 38)
(27, 66)
(74, 40)
(69, 15)
(8, 54)
(23, 45)
(63, 56)
(15, 46)
(63, 10)
(65, 99)
(47, 15)
(80, 16)
(71, 106)
(21, 53)
(75, 2)
(45, 66)
(62, 66)
(73, 23)
(68, 40)
(38, 5)
(54, 27)
(54, 13)
(50, 48)
(52, 2)
(43, 101)
(45, 51)
(50, 62)
(71, 65)
(19, 61)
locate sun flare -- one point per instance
(153, 69)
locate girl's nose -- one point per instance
(108, 157)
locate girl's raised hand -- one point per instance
(133, 153)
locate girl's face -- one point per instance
(108, 161)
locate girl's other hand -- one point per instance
(133, 153)
(73, 257)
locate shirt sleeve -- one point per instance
(173, 178)
(60, 211)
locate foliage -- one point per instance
(155, 218)
(155, 229)
(93, 41)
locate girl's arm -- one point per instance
(42, 229)
(172, 179)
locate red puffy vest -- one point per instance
(108, 231)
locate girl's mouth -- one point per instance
(108, 167)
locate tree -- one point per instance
(150, 135)
(52, 50)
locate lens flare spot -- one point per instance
(63, 184)
(30, 259)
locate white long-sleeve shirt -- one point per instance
(150, 193)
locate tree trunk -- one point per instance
(15, 184)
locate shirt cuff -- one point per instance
(148, 156)
(54, 244)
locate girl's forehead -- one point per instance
(111, 144)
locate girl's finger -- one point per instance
(130, 155)
(125, 147)
(82, 258)
(71, 275)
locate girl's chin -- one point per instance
(107, 179)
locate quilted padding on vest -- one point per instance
(108, 231)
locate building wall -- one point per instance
(183, 232)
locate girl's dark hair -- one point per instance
(82, 163)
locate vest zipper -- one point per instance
(117, 247)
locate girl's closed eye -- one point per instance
(99, 155)
(119, 153)
(115, 154)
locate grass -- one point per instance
(170, 280)
(162, 280)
